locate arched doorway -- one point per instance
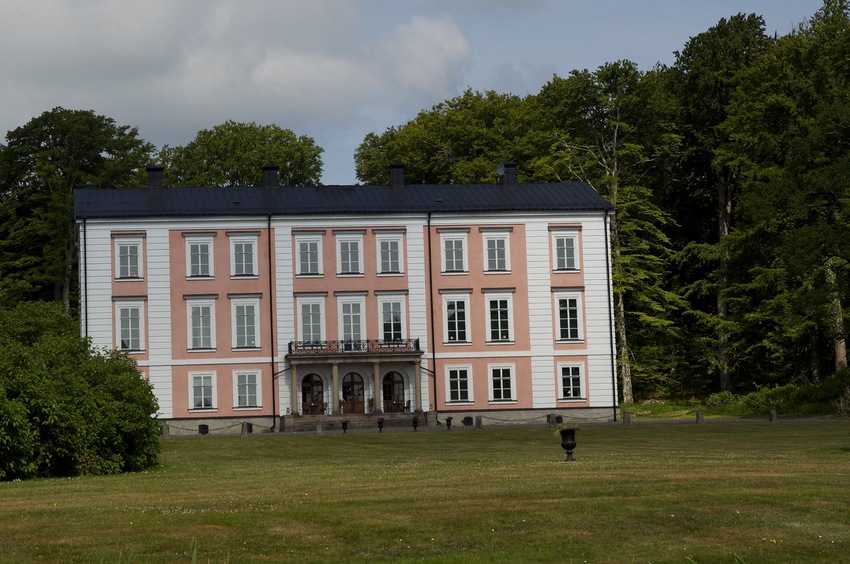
(353, 393)
(312, 394)
(393, 392)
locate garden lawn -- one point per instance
(715, 492)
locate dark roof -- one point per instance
(93, 202)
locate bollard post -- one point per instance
(319, 430)
(627, 418)
(478, 422)
(700, 418)
(773, 416)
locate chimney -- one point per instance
(397, 175)
(154, 177)
(508, 173)
(271, 178)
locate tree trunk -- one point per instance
(837, 320)
(724, 216)
(624, 365)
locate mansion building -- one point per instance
(256, 304)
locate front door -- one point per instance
(312, 394)
(353, 393)
(393, 392)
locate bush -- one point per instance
(720, 399)
(66, 409)
(770, 398)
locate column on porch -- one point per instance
(417, 374)
(376, 378)
(335, 398)
(293, 379)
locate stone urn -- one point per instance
(568, 443)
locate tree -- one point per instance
(609, 128)
(458, 141)
(705, 78)
(66, 409)
(233, 154)
(40, 165)
(789, 122)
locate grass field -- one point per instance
(717, 492)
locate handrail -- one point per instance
(354, 346)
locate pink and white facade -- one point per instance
(256, 304)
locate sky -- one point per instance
(333, 70)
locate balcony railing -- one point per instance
(359, 346)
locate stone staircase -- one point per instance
(357, 422)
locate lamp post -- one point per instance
(380, 424)
(568, 443)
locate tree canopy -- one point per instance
(233, 154)
(40, 165)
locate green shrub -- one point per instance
(66, 409)
(720, 399)
(770, 398)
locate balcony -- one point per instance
(366, 346)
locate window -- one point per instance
(392, 318)
(130, 326)
(128, 253)
(309, 255)
(351, 323)
(501, 383)
(564, 246)
(456, 325)
(246, 389)
(454, 258)
(389, 254)
(201, 325)
(569, 317)
(499, 317)
(571, 381)
(311, 320)
(243, 255)
(496, 252)
(349, 257)
(203, 391)
(459, 384)
(245, 323)
(199, 252)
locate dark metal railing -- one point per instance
(365, 345)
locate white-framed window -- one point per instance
(565, 250)
(201, 324)
(203, 388)
(247, 391)
(311, 319)
(243, 255)
(390, 256)
(499, 317)
(459, 384)
(351, 329)
(452, 248)
(568, 315)
(199, 256)
(502, 382)
(130, 326)
(571, 384)
(456, 318)
(245, 320)
(128, 258)
(497, 252)
(349, 255)
(309, 255)
(391, 322)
